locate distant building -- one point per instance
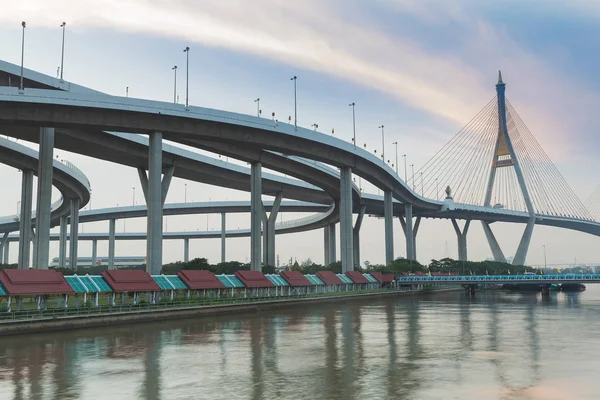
(131, 261)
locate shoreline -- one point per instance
(69, 322)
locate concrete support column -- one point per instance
(332, 244)
(4, 249)
(154, 202)
(269, 231)
(494, 246)
(223, 230)
(111, 244)
(356, 236)
(326, 246)
(415, 231)
(388, 213)
(408, 232)
(44, 198)
(62, 244)
(74, 233)
(521, 254)
(346, 245)
(94, 252)
(25, 219)
(256, 216)
(186, 250)
(462, 239)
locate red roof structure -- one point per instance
(329, 278)
(253, 279)
(200, 279)
(356, 277)
(387, 278)
(377, 276)
(130, 281)
(34, 281)
(295, 278)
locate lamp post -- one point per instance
(62, 57)
(18, 204)
(382, 144)
(353, 124)
(315, 126)
(421, 175)
(405, 173)
(545, 264)
(185, 193)
(175, 85)
(412, 166)
(295, 78)
(396, 144)
(187, 76)
(257, 101)
(437, 189)
(133, 193)
(23, 24)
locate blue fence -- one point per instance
(426, 279)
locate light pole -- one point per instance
(405, 173)
(133, 190)
(353, 124)
(545, 264)
(295, 78)
(175, 85)
(382, 144)
(315, 126)
(412, 166)
(18, 204)
(421, 175)
(257, 101)
(23, 24)
(187, 76)
(437, 189)
(62, 57)
(396, 144)
(185, 194)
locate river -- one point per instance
(448, 345)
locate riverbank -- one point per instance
(91, 318)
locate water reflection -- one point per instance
(493, 345)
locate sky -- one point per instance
(422, 68)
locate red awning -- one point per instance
(130, 281)
(357, 277)
(34, 281)
(295, 279)
(200, 279)
(329, 278)
(253, 279)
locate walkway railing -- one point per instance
(592, 278)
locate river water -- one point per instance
(436, 346)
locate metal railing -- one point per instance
(501, 278)
(293, 223)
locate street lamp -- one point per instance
(23, 24)
(133, 190)
(187, 76)
(412, 166)
(421, 174)
(18, 204)
(353, 124)
(382, 144)
(62, 57)
(185, 194)
(175, 85)
(396, 144)
(545, 264)
(257, 101)
(295, 78)
(437, 189)
(405, 173)
(315, 126)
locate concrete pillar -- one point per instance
(223, 230)
(25, 219)
(269, 232)
(44, 198)
(62, 245)
(186, 250)
(415, 230)
(4, 249)
(74, 233)
(256, 216)
(94, 252)
(494, 246)
(332, 244)
(461, 237)
(346, 245)
(326, 246)
(111, 244)
(521, 254)
(356, 236)
(408, 231)
(154, 203)
(388, 213)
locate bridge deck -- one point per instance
(541, 279)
